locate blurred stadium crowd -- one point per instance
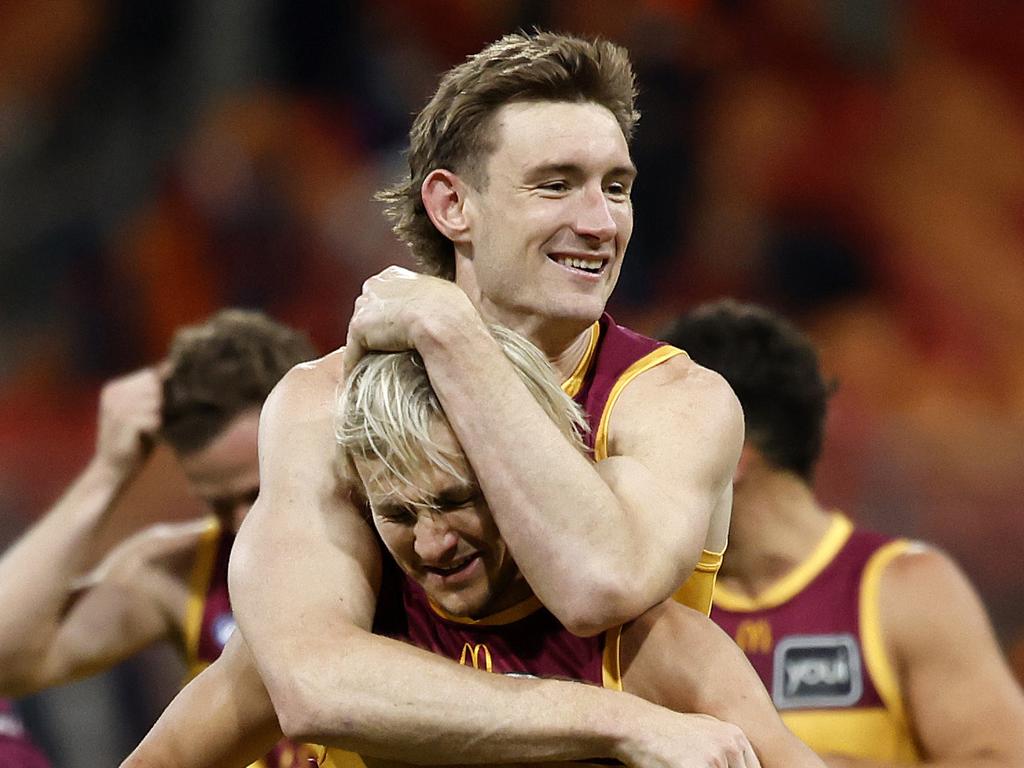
(859, 166)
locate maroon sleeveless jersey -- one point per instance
(210, 623)
(524, 640)
(614, 357)
(16, 749)
(815, 640)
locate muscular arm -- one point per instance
(680, 659)
(962, 701)
(600, 543)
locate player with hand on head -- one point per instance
(517, 206)
(169, 582)
(875, 650)
(452, 587)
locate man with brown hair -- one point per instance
(519, 186)
(168, 582)
(876, 650)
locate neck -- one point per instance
(776, 524)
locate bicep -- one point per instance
(960, 695)
(305, 566)
(676, 439)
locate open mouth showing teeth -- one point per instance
(590, 266)
(454, 568)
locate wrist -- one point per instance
(456, 329)
(104, 472)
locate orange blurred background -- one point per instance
(859, 166)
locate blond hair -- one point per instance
(453, 131)
(388, 411)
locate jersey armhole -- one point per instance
(198, 584)
(876, 656)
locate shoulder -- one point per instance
(919, 569)
(683, 395)
(923, 593)
(311, 382)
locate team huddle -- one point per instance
(495, 526)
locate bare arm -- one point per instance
(44, 638)
(222, 718)
(305, 553)
(225, 718)
(601, 543)
(680, 659)
(961, 698)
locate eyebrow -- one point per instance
(574, 169)
(434, 501)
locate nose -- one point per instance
(435, 540)
(594, 220)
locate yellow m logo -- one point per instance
(473, 653)
(754, 636)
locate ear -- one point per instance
(444, 198)
(749, 458)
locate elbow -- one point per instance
(303, 716)
(297, 714)
(604, 606)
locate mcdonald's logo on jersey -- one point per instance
(475, 653)
(754, 636)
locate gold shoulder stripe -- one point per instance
(793, 582)
(198, 584)
(876, 658)
(645, 363)
(507, 616)
(574, 383)
(611, 670)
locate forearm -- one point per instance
(392, 701)
(577, 542)
(223, 718)
(37, 573)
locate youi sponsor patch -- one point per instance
(817, 671)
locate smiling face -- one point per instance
(548, 230)
(441, 534)
(226, 473)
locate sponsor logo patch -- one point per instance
(222, 628)
(817, 671)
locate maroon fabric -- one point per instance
(827, 608)
(617, 349)
(536, 645)
(16, 749)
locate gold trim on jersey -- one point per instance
(645, 363)
(507, 616)
(796, 580)
(872, 640)
(863, 732)
(198, 584)
(611, 669)
(574, 383)
(698, 590)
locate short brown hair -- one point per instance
(452, 130)
(221, 368)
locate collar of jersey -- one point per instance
(574, 383)
(796, 580)
(507, 616)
